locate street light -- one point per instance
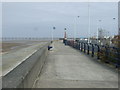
(99, 27)
(75, 28)
(88, 22)
(114, 19)
(52, 32)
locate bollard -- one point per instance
(98, 52)
(81, 46)
(78, 45)
(106, 54)
(118, 51)
(65, 42)
(84, 47)
(118, 58)
(92, 50)
(88, 49)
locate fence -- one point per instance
(102, 52)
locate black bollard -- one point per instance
(88, 49)
(92, 50)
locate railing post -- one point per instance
(67, 42)
(73, 44)
(79, 46)
(88, 49)
(84, 47)
(118, 58)
(106, 53)
(92, 50)
(98, 52)
(76, 45)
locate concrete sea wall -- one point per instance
(25, 74)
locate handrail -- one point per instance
(111, 54)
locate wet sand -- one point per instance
(8, 46)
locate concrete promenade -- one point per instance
(66, 67)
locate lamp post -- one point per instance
(99, 27)
(52, 32)
(88, 22)
(114, 19)
(114, 33)
(75, 26)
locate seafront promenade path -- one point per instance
(66, 67)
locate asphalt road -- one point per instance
(66, 67)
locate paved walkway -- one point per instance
(66, 67)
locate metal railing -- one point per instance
(110, 54)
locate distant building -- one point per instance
(100, 33)
(103, 34)
(103, 37)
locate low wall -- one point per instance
(25, 74)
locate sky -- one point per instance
(0, 20)
(37, 19)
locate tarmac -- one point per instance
(66, 67)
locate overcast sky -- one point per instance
(38, 19)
